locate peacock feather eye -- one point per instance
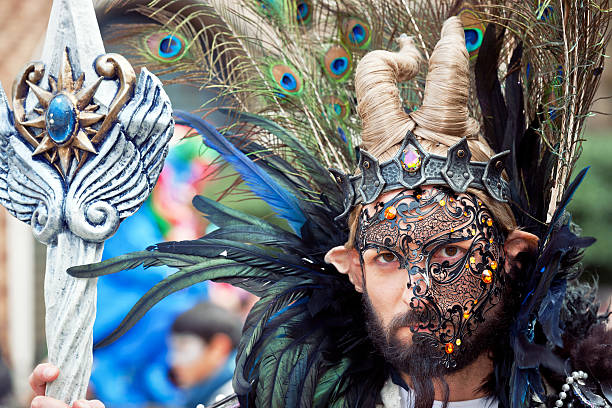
(355, 33)
(342, 134)
(345, 136)
(552, 97)
(337, 107)
(473, 29)
(269, 7)
(338, 63)
(166, 46)
(286, 80)
(544, 11)
(303, 10)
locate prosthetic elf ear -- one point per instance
(519, 242)
(346, 260)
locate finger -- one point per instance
(88, 404)
(42, 374)
(96, 404)
(47, 402)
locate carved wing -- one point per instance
(113, 184)
(31, 190)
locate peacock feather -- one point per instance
(288, 60)
(281, 72)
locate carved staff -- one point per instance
(81, 151)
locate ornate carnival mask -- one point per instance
(452, 250)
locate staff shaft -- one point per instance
(70, 313)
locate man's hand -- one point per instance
(45, 373)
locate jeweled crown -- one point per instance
(412, 167)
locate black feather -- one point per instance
(488, 88)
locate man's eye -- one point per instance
(449, 253)
(386, 257)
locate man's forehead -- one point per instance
(425, 196)
(423, 214)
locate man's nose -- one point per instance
(417, 273)
(418, 282)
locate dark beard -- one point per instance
(421, 360)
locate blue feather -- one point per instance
(280, 199)
(550, 310)
(289, 306)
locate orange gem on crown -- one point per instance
(449, 348)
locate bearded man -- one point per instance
(447, 301)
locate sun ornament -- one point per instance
(66, 118)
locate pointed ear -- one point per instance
(516, 243)
(346, 260)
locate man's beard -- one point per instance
(422, 359)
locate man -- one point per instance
(202, 352)
(417, 289)
(460, 307)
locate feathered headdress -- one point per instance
(283, 71)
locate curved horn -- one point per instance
(445, 102)
(378, 101)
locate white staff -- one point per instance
(81, 151)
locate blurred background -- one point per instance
(167, 359)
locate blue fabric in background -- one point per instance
(206, 391)
(132, 372)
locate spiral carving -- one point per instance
(32, 72)
(93, 222)
(111, 66)
(45, 223)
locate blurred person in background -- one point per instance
(6, 385)
(202, 352)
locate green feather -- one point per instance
(131, 261)
(329, 386)
(221, 215)
(209, 269)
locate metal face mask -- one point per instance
(452, 251)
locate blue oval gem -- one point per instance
(60, 118)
